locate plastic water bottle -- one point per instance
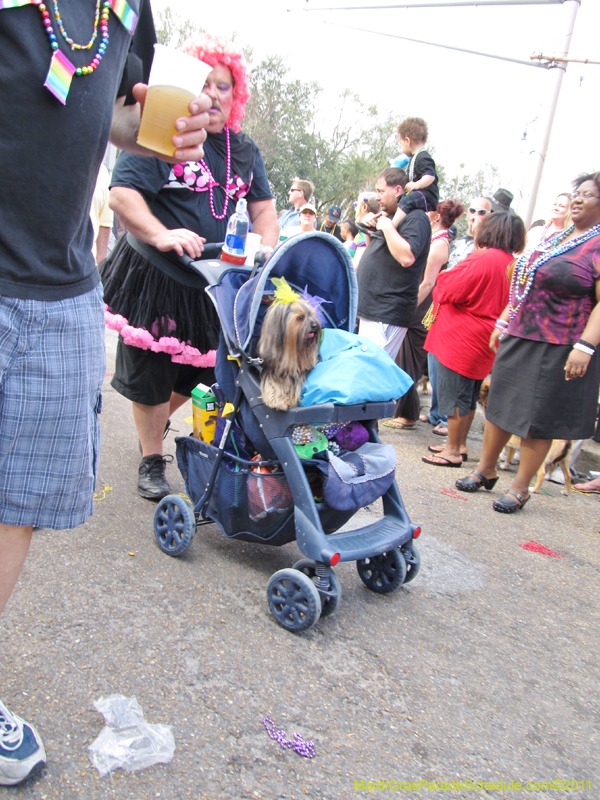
(234, 249)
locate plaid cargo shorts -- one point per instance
(52, 364)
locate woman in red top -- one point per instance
(466, 304)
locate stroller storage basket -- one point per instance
(248, 497)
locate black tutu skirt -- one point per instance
(157, 304)
(530, 396)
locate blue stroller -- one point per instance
(270, 501)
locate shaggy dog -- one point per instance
(558, 455)
(289, 344)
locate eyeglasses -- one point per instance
(294, 189)
(481, 211)
(584, 196)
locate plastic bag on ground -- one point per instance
(128, 741)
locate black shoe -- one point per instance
(152, 483)
(471, 484)
(508, 505)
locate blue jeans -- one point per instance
(434, 416)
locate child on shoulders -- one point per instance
(422, 188)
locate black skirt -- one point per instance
(150, 299)
(529, 395)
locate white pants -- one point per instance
(388, 337)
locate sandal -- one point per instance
(440, 430)
(396, 423)
(591, 487)
(441, 462)
(437, 448)
(471, 484)
(508, 506)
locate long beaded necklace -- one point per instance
(61, 71)
(528, 265)
(67, 38)
(212, 182)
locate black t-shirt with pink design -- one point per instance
(179, 194)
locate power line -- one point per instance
(444, 46)
(438, 4)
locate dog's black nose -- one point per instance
(314, 326)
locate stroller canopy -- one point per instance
(313, 261)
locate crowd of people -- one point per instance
(485, 302)
(426, 297)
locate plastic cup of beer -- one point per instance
(175, 80)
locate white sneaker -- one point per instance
(556, 476)
(21, 748)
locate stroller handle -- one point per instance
(212, 250)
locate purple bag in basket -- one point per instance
(352, 436)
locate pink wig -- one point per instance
(217, 51)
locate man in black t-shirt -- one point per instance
(53, 136)
(391, 269)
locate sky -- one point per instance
(477, 108)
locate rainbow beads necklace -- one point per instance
(527, 266)
(62, 70)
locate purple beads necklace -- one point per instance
(528, 264)
(303, 748)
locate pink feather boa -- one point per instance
(180, 352)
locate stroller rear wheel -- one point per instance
(329, 602)
(383, 573)
(413, 562)
(293, 600)
(174, 524)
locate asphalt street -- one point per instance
(484, 669)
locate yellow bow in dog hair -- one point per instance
(284, 292)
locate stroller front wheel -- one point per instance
(293, 600)
(174, 524)
(383, 573)
(329, 602)
(413, 562)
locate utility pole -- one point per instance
(559, 66)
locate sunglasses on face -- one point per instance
(481, 211)
(294, 189)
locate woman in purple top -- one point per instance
(546, 374)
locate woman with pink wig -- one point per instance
(168, 327)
